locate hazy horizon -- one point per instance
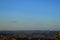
(29, 14)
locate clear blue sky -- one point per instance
(30, 14)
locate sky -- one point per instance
(29, 14)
